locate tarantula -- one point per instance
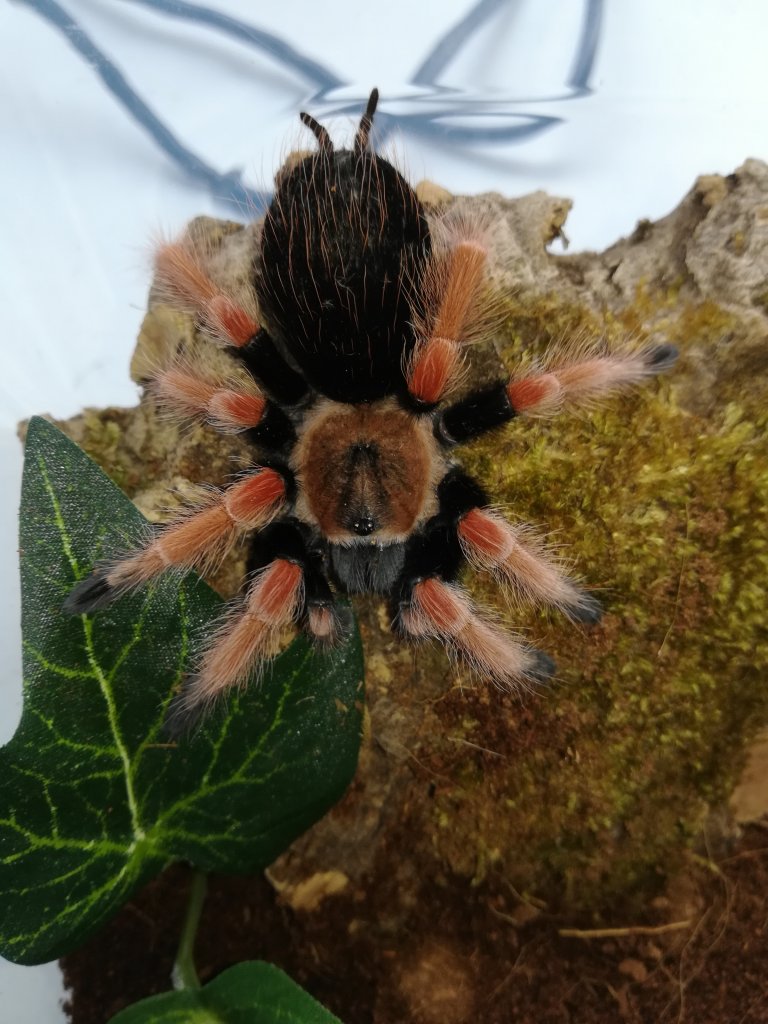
(366, 307)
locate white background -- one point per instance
(679, 88)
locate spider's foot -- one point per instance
(90, 595)
(183, 714)
(589, 611)
(542, 667)
(661, 357)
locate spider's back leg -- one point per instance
(449, 294)
(183, 280)
(568, 381)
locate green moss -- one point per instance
(594, 790)
(661, 502)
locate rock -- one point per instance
(591, 792)
(749, 800)
(634, 969)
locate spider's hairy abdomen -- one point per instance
(344, 241)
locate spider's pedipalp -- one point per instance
(321, 618)
(244, 642)
(323, 624)
(517, 560)
(441, 610)
(291, 539)
(199, 540)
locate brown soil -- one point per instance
(492, 959)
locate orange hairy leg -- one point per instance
(571, 381)
(183, 277)
(371, 300)
(442, 610)
(246, 639)
(437, 359)
(515, 559)
(199, 540)
(587, 379)
(229, 407)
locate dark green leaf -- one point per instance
(250, 993)
(94, 800)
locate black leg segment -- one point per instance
(479, 412)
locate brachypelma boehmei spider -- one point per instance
(366, 305)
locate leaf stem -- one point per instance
(184, 974)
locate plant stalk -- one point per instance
(184, 974)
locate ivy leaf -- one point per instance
(93, 799)
(249, 993)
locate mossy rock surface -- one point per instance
(590, 795)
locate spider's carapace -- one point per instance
(362, 305)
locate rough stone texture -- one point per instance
(589, 797)
(749, 800)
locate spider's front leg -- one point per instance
(429, 603)
(570, 381)
(286, 585)
(514, 557)
(433, 608)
